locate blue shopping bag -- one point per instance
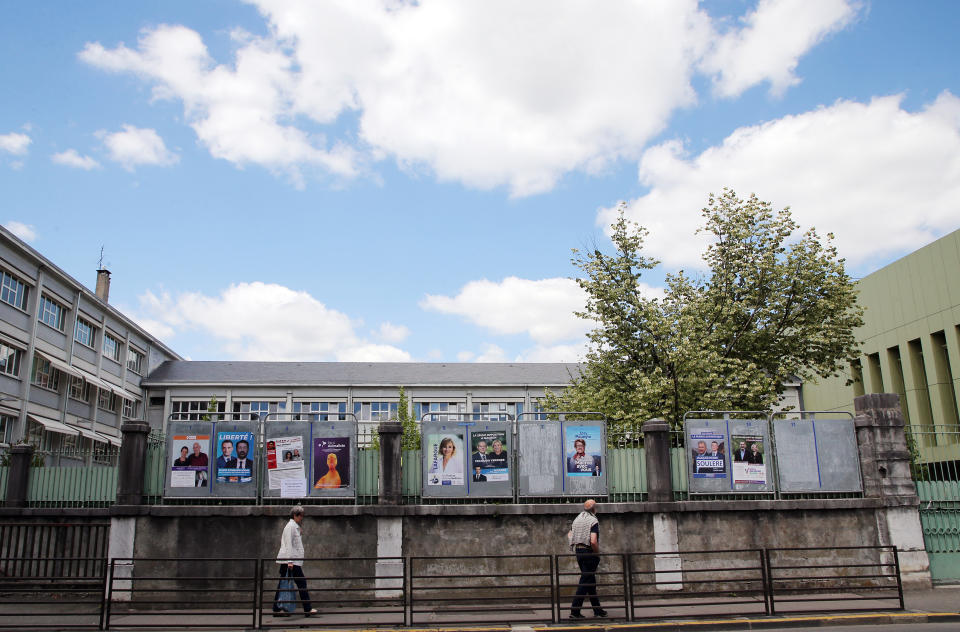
(287, 597)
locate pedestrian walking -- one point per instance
(584, 537)
(290, 559)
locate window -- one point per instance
(193, 410)
(375, 411)
(107, 401)
(44, 375)
(13, 291)
(315, 411)
(134, 361)
(84, 333)
(51, 312)
(10, 360)
(111, 347)
(131, 408)
(258, 410)
(79, 389)
(105, 453)
(6, 422)
(34, 434)
(496, 411)
(438, 411)
(70, 443)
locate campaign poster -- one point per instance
(234, 457)
(707, 453)
(489, 461)
(583, 447)
(748, 465)
(331, 462)
(445, 458)
(190, 462)
(285, 460)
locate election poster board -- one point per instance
(236, 467)
(445, 458)
(728, 456)
(491, 460)
(333, 458)
(188, 462)
(584, 458)
(540, 463)
(286, 458)
(817, 455)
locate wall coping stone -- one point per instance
(605, 508)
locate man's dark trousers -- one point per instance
(588, 561)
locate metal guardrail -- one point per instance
(36, 549)
(211, 593)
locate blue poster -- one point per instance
(708, 453)
(584, 450)
(234, 457)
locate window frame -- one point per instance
(114, 356)
(85, 389)
(23, 292)
(130, 408)
(83, 322)
(50, 307)
(140, 356)
(17, 355)
(49, 379)
(110, 403)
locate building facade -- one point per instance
(911, 344)
(71, 365)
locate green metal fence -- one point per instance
(74, 478)
(935, 452)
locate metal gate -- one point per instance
(935, 452)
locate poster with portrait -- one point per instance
(489, 460)
(707, 453)
(285, 460)
(331, 462)
(191, 463)
(445, 458)
(748, 460)
(234, 457)
(583, 449)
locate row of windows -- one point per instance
(365, 411)
(45, 375)
(52, 313)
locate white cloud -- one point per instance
(26, 232)
(769, 46)
(389, 332)
(882, 179)
(261, 321)
(15, 143)
(487, 93)
(71, 158)
(541, 309)
(555, 353)
(137, 146)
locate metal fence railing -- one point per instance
(35, 549)
(197, 593)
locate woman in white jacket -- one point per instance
(290, 559)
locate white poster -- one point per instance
(285, 461)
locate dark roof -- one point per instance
(363, 373)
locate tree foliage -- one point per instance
(410, 439)
(769, 307)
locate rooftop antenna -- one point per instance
(100, 262)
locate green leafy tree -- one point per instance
(410, 439)
(771, 305)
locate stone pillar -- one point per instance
(389, 582)
(656, 443)
(122, 537)
(882, 442)
(19, 475)
(885, 466)
(133, 457)
(667, 562)
(390, 476)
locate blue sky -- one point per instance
(399, 181)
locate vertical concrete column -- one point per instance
(656, 443)
(667, 562)
(882, 442)
(390, 476)
(389, 580)
(885, 465)
(133, 457)
(122, 537)
(19, 475)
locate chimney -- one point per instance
(103, 284)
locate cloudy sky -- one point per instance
(299, 180)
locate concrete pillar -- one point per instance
(656, 443)
(133, 457)
(882, 442)
(120, 550)
(390, 476)
(885, 466)
(389, 580)
(666, 542)
(19, 475)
